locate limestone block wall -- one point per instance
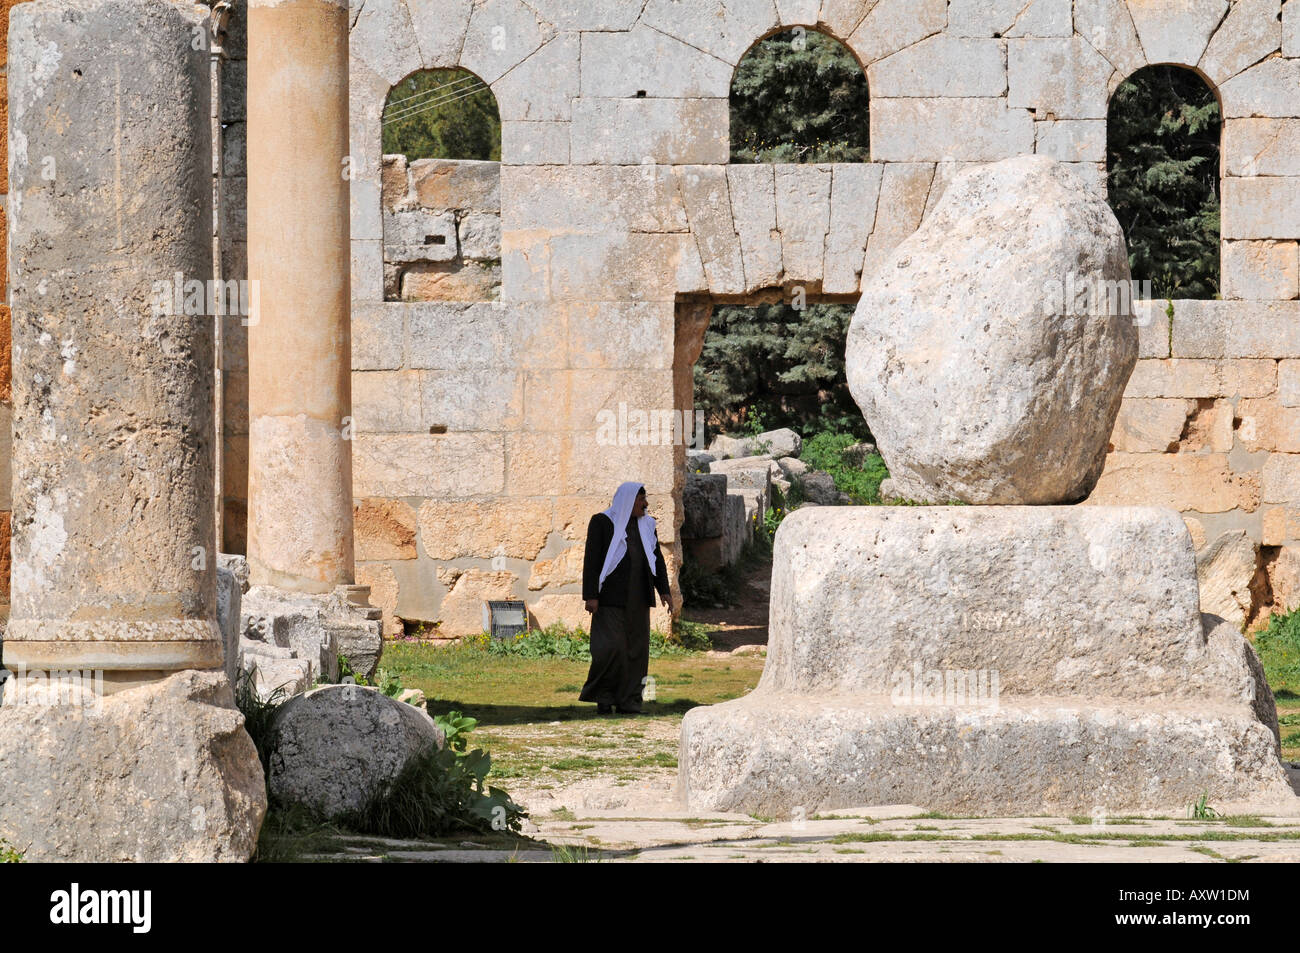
(442, 230)
(481, 447)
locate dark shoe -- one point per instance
(604, 709)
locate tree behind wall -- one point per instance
(778, 364)
(442, 114)
(799, 96)
(1163, 179)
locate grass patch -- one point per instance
(1278, 646)
(825, 451)
(573, 854)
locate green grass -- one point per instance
(530, 718)
(1278, 646)
(825, 451)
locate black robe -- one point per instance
(620, 626)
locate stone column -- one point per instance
(119, 734)
(299, 348)
(303, 610)
(113, 539)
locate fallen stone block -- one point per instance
(163, 772)
(704, 505)
(338, 746)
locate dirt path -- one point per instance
(746, 622)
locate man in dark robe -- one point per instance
(622, 569)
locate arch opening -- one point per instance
(441, 189)
(1163, 130)
(799, 96)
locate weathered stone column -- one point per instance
(300, 613)
(119, 735)
(113, 539)
(299, 352)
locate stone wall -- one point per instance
(442, 230)
(480, 454)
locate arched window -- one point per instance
(1162, 156)
(799, 96)
(441, 189)
(442, 114)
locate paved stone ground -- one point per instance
(642, 824)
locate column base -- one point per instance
(166, 645)
(154, 773)
(773, 753)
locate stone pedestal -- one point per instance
(162, 772)
(989, 660)
(114, 555)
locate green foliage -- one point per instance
(9, 854)
(258, 715)
(456, 727)
(1279, 650)
(825, 451)
(439, 791)
(573, 854)
(693, 636)
(388, 683)
(1163, 179)
(560, 641)
(1201, 810)
(799, 96)
(462, 124)
(784, 366)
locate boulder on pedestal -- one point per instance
(989, 351)
(989, 660)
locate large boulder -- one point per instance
(162, 772)
(336, 747)
(778, 443)
(729, 448)
(989, 351)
